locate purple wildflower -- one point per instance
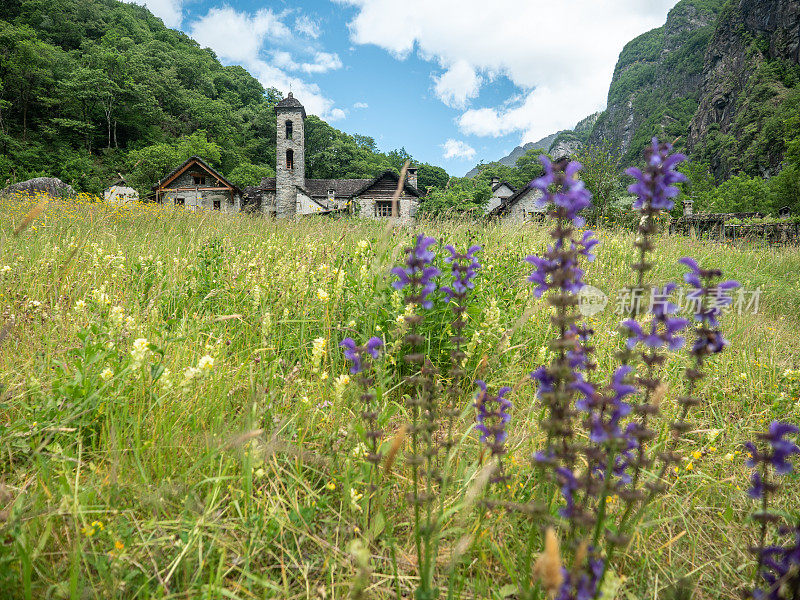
(664, 327)
(710, 300)
(655, 185)
(355, 353)
(418, 274)
(561, 187)
(606, 424)
(781, 568)
(492, 417)
(464, 268)
(584, 584)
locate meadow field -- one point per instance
(177, 419)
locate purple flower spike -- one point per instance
(464, 268)
(655, 185)
(709, 300)
(418, 274)
(560, 186)
(492, 417)
(664, 327)
(782, 448)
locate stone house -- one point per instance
(501, 190)
(195, 184)
(290, 194)
(521, 206)
(120, 192)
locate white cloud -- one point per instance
(169, 11)
(237, 36)
(458, 149)
(306, 26)
(240, 37)
(458, 84)
(359, 105)
(560, 55)
(323, 62)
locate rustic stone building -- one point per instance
(501, 190)
(290, 194)
(120, 192)
(521, 206)
(195, 185)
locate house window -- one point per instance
(331, 195)
(290, 159)
(383, 208)
(289, 130)
(180, 201)
(199, 179)
(217, 204)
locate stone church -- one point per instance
(290, 194)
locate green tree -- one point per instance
(462, 195)
(247, 174)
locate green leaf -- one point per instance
(507, 590)
(156, 371)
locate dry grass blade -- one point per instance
(400, 184)
(31, 216)
(397, 442)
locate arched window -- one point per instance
(288, 130)
(290, 159)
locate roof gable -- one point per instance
(387, 176)
(509, 202)
(510, 187)
(198, 162)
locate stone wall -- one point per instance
(407, 207)
(119, 194)
(524, 206)
(194, 196)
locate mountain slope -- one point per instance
(750, 90)
(655, 89)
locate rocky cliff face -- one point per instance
(655, 87)
(739, 88)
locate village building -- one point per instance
(290, 194)
(195, 184)
(522, 205)
(120, 192)
(501, 190)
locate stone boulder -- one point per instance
(51, 186)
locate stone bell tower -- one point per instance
(290, 163)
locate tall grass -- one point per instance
(222, 457)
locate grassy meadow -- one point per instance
(177, 419)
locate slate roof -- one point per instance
(388, 173)
(204, 165)
(506, 204)
(501, 184)
(343, 188)
(291, 102)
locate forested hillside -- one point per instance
(89, 88)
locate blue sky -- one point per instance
(453, 81)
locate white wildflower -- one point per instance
(139, 350)
(206, 363)
(322, 295)
(80, 305)
(115, 316)
(106, 374)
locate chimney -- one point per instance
(687, 207)
(495, 181)
(412, 176)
